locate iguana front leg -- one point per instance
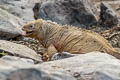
(51, 50)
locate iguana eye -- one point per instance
(32, 26)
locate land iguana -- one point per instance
(65, 38)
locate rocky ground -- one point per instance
(21, 57)
(113, 37)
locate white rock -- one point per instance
(90, 66)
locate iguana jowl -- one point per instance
(65, 38)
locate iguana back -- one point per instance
(67, 38)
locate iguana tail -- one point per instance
(112, 51)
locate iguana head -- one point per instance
(32, 28)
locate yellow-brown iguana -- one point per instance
(57, 38)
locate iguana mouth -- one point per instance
(27, 33)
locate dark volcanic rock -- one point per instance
(108, 17)
(72, 12)
(62, 55)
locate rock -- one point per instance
(72, 12)
(108, 17)
(104, 0)
(9, 25)
(19, 50)
(62, 55)
(90, 66)
(15, 60)
(15, 68)
(12, 63)
(35, 74)
(19, 8)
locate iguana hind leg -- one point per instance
(49, 53)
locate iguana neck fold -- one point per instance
(46, 33)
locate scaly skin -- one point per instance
(65, 38)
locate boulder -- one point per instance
(108, 17)
(9, 25)
(12, 63)
(19, 50)
(19, 8)
(15, 68)
(72, 12)
(90, 66)
(35, 74)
